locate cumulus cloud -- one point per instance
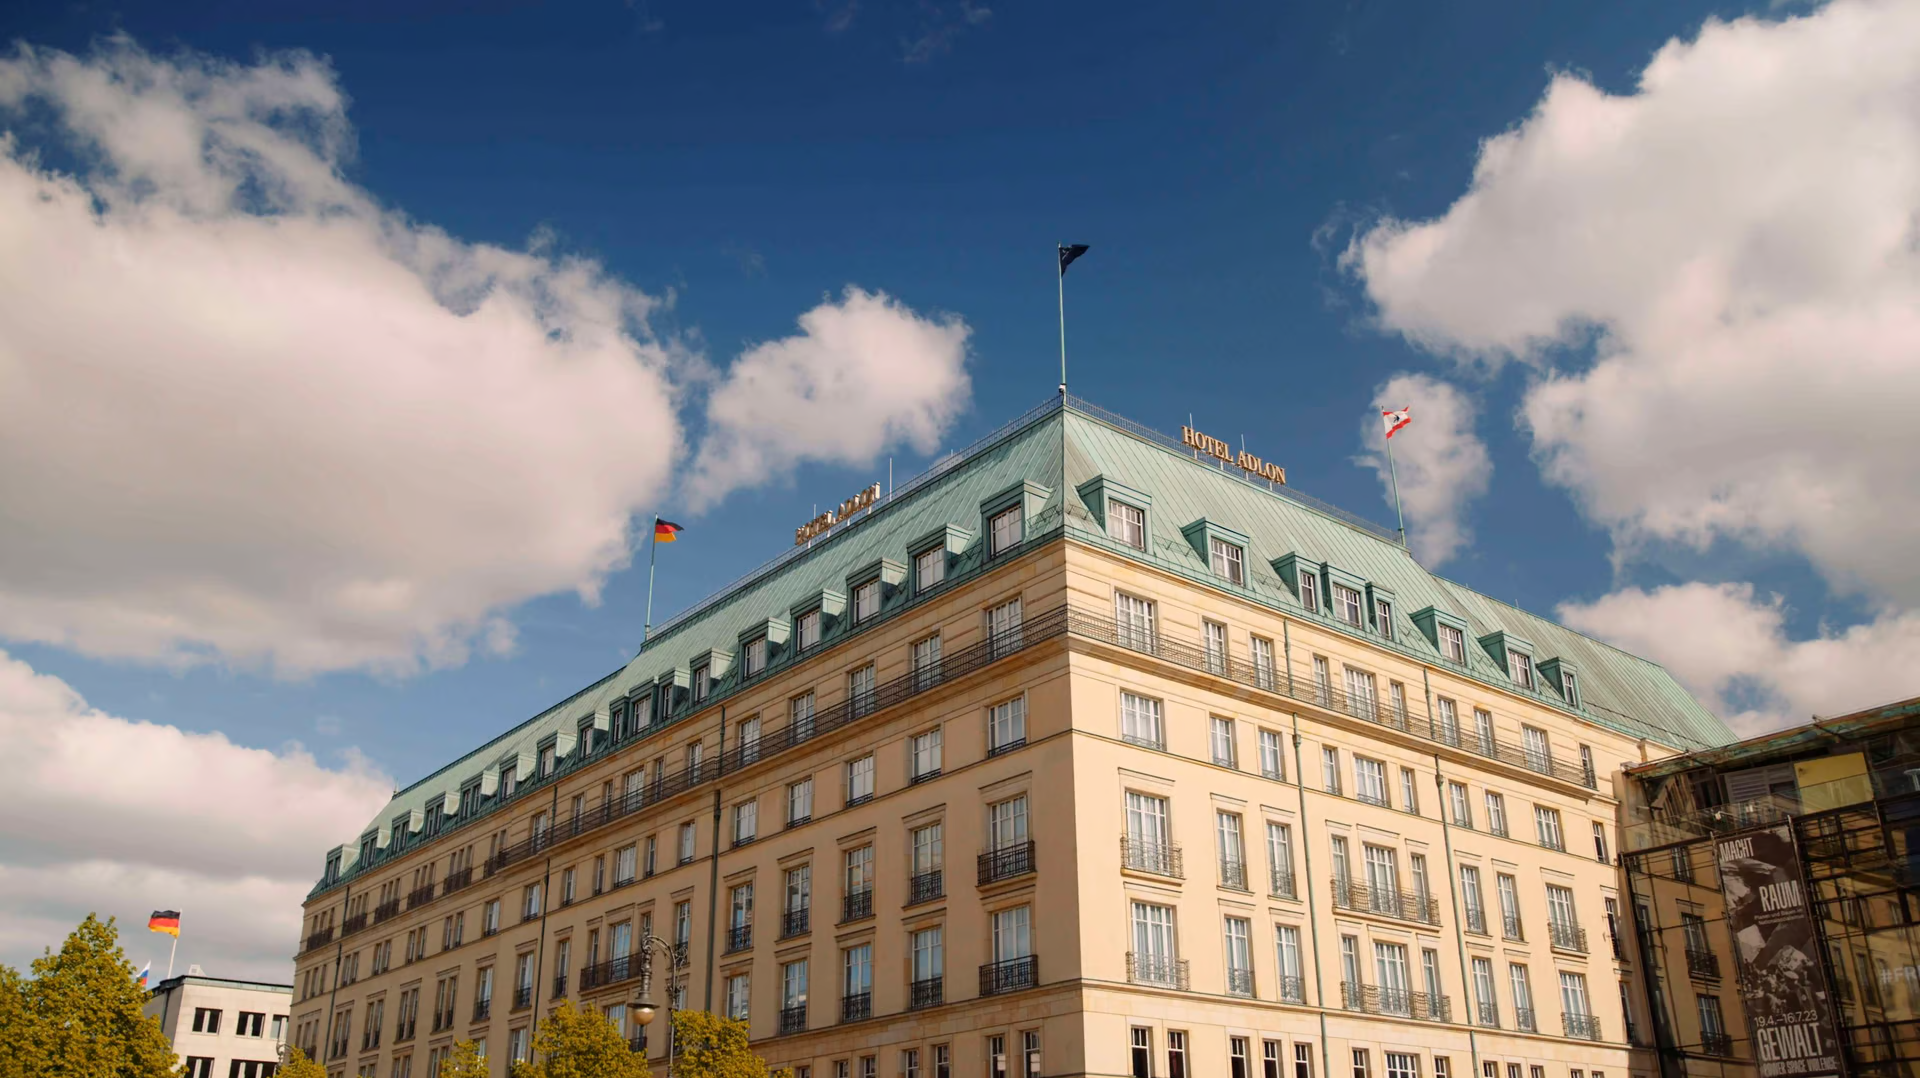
(1736, 240)
(123, 817)
(250, 415)
(1443, 465)
(1730, 647)
(863, 373)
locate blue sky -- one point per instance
(751, 161)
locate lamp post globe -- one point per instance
(644, 1011)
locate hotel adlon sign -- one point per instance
(824, 523)
(1783, 983)
(1243, 460)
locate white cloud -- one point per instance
(862, 374)
(1443, 465)
(1731, 650)
(121, 818)
(250, 415)
(1737, 239)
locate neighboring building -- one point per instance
(222, 1028)
(1081, 754)
(1830, 953)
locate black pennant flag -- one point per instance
(1069, 252)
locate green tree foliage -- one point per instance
(465, 1062)
(714, 1047)
(78, 1015)
(580, 1043)
(299, 1066)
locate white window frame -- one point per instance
(1227, 560)
(1006, 530)
(1128, 524)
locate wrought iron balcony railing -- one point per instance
(1510, 928)
(1703, 964)
(1566, 937)
(1349, 895)
(419, 897)
(559, 986)
(319, 939)
(457, 879)
(1490, 1015)
(1239, 982)
(353, 924)
(1716, 1044)
(1293, 990)
(386, 910)
(1233, 873)
(1281, 884)
(1523, 1018)
(857, 1007)
(1373, 999)
(926, 992)
(793, 1018)
(796, 922)
(1006, 862)
(612, 971)
(1158, 858)
(522, 997)
(637, 1044)
(858, 905)
(739, 938)
(1476, 921)
(1009, 975)
(1157, 970)
(482, 1009)
(925, 887)
(1585, 1027)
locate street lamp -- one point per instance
(643, 1008)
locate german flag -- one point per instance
(167, 921)
(665, 530)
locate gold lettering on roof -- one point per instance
(1221, 451)
(824, 523)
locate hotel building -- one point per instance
(1085, 753)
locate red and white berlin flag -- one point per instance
(1395, 420)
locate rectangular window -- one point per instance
(1222, 742)
(1127, 524)
(799, 889)
(1176, 1053)
(866, 601)
(1280, 859)
(1522, 997)
(1362, 1064)
(1262, 651)
(1573, 995)
(1232, 851)
(1012, 934)
(1141, 1060)
(1520, 665)
(1453, 644)
(800, 801)
(1457, 801)
(1323, 681)
(1539, 757)
(1447, 717)
(1310, 592)
(1370, 780)
(1483, 730)
(1330, 768)
(1007, 823)
(1286, 942)
(1134, 621)
(1409, 791)
(1007, 725)
(929, 568)
(1510, 926)
(926, 662)
(860, 780)
(737, 997)
(1496, 813)
(753, 657)
(924, 843)
(1346, 604)
(1214, 636)
(1237, 1060)
(1600, 842)
(793, 984)
(1273, 756)
(699, 683)
(1003, 628)
(1005, 530)
(1361, 701)
(686, 842)
(1227, 560)
(859, 872)
(924, 754)
(928, 955)
(206, 1020)
(746, 822)
(1141, 721)
(1383, 617)
(859, 693)
(1342, 870)
(806, 630)
(1547, 822)
(1239, 953)
(1470, 899)
(1403, 1065)
(1302, 1060)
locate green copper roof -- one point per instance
(1045, 458)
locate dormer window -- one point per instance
(547, 756)
(929, 568)
(333, 866)
(1453, 644)
(1346, 604)
(1310, 592)
(806, 630)
(508, 781)
(469, 798)
(700, 682)
(367, 843)
(1005, 530)
(1520, 666)
(866, 601)
(1228, 561)
(1570, 688)
(753, 658)
(1383, 611)
(1128, 524)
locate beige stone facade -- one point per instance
(1135, 921)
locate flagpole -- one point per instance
(170, 952)
(653, 545)
(1061, 281)
(1392, 471)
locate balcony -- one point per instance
(1716, 1044)
(1240, 982)
(1293, 990)
(1510, 928)
(1490, 1015)
(1373, 797)
(612, 971)
(1009, 975)
(637, 1044)
(1233, 874)
(560, 986)
(319, 939)
(1373, 999)
(1704, 965)
(793, 1019)
(386, 910)
(1476, 921)
(739, 938)
(1157, 970)
(353, 924)
(925, 887)
(523, 997)
(457, 880)
(796, 922)
(1523, 1019)
(419, 897)
(1280, 885)
(857, 1007)
(857, 906)
(1006, 863)
(1420, 909)
(1154, 858)
(926, 992)
(1566, 937)
(482, 1010)
(1584, 1027)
